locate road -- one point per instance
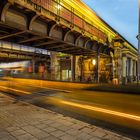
(115, 111)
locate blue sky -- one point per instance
(122, 15)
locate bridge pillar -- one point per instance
(77, 69)
(118, 65)
(98, 68)
(131, 70)
(33, 65)
(55, 67)
(135, 70)
(124, 61)
(73, 60)
(82, 69)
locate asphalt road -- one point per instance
(118, 112)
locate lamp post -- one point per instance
(138, 37)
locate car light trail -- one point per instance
(16, 90)
(102, 110)
(41, 86)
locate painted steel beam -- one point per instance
(56, 46)
(11, 35)
(68, 48)
(36, 38)
(46, 43)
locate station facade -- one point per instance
(82, 47)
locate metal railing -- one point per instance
(64, 11)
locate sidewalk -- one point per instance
(23, 121)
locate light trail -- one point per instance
(16, 90)
(42, 86)
(102, 110)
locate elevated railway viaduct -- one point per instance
(81, 44)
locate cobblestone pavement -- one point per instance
(23, 121)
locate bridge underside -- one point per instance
(23, 26)
(8, 60)
(10, 55)
(33, 39)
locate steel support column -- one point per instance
(98, 68)
(124, 70)
(81, 69)
(135, 69)
(138, 62)
(131, 70)
(73, 60)
(33, 65)
(55, 67)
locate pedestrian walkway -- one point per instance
(23, 121)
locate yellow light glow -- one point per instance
(94, 62)
(16, 90)
(58, 7)
(91, 15)
(106, 111)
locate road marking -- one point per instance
(12, 89)
(107, 111)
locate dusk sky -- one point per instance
(122, 15)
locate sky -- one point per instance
(122, 15)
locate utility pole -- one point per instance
(138, 37)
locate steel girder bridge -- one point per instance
(50, 25)
(62, 26)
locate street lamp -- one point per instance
(138, 37)
(94, 68)
(94, 62)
